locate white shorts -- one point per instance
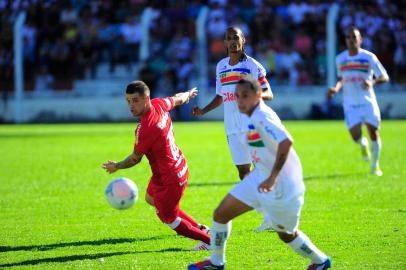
(284, 213)
(239, 149)
(357, 114)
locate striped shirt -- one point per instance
(227, 77)
(354, 70)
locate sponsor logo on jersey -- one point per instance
(270, 132)
(353, 79)
(253, 137)
(229, 97)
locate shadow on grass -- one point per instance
(66, 259)
(334, 176)
(81, 243)
(212, 184)
(307, 178)
(86, 257)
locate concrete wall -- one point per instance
(68, 108)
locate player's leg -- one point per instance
(166, 200)
(302, 245)
(239, 153)
(228, 209)
(285, 221)
(242, 160)
(191, 220)
(241, 198)
(373, 121)
(376, 146)
(356, 134)
(149, 199)
(353, 120)
(220, 230)
(149, 195)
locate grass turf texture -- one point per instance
(53, 214)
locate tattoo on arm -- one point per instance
(130, 161)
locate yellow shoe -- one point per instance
(376, 171)
(366, 154)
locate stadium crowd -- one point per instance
(66, 40)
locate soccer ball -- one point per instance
(121, 193)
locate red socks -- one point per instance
(185, 216)
(186, 229)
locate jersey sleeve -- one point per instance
(218, 82)
(261, 77)
(377, 67)
(143, 140)
(275, 129)
(166, 104)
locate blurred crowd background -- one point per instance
(70, 40)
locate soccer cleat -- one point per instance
(322, 266)
(376, 170)
(265, 226)
(366, 154)
(205, 265)
(201, 246)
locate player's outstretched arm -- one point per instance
(333, 90)
(281, 157)
(217, 101)
(183, 97)
(112, 166)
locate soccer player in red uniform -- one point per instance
(155, 139)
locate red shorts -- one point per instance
(166, 199)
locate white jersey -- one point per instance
(227, 77)
(265, 132)
(354, 70)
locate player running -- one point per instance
(358, 70)
(228, 71)
(276, 184)
(155, 139)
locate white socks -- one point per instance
(175, 223)
(219, 235)
(304, 246)
(363, 141)
(376, 151)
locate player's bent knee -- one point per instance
(168, 218)
(287, 237)
(218, 216)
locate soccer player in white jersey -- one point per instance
(358, 71)
(275, 184)
(228, 71)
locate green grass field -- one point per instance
(53, 214)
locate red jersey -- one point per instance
(155, 139)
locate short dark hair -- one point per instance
(137, 87)
(353, 29)
(253, 84)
